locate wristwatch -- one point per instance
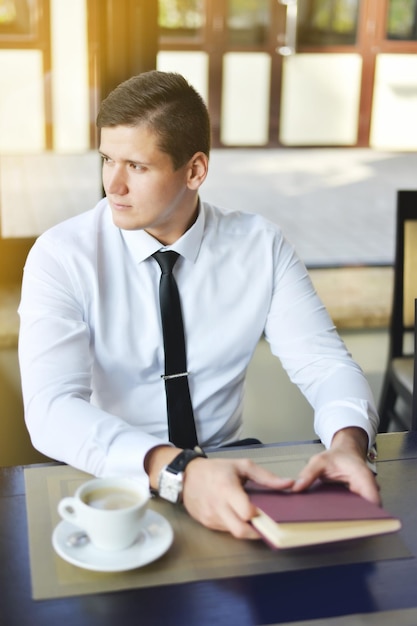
(171, 477)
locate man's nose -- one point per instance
(116, 182)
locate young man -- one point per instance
(91, 347)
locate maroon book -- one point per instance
(326, 512)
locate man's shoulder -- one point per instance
(232, 220)
(86, 225)
(76, 239)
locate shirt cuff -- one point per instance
(127, 454)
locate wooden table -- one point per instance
(279, 598)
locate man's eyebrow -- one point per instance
(137, 161)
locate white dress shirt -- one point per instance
(91, 350)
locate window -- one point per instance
(181, 19)
(402, 20)
(248, 21)
(17, 19)
(327, 22)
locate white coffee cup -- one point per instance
(109, 510)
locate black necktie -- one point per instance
(181, 426)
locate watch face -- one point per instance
(170, 486)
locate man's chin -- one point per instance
(124, 222)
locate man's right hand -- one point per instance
(213, 489)
(214, 494)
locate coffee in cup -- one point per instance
(109, 510)
(109, 499)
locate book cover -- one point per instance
(324, 513)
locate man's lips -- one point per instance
(120, 207)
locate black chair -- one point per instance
(414, 404)
(395, 408)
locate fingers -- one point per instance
(234, 516)
(315, 469)
(368, 488)
(336, 466)
(214, 493)
(240, 507)
(251, 471)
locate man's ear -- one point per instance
(198, 169)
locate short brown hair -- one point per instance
(169, 105)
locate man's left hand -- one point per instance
(344, 462)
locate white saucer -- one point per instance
(155, 538)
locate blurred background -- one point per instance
(314, 113)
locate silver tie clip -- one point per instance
(168, 376)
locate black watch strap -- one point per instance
(181, 461)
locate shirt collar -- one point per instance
(142, 245)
